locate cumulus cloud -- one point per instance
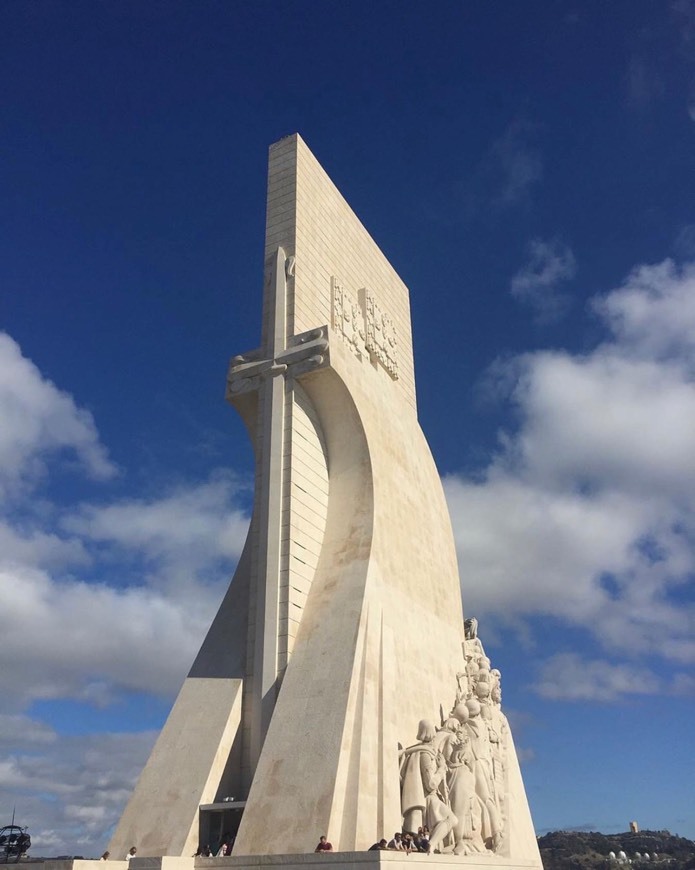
(653, 314)
(72, 793)
(569, 677)
(168, 561)
(40, 421)
(586, 512)
(182, 536)
(67, 639)
(22, 732)
(25, 544)
(549, 265)
(99, 598)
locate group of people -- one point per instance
(407, 842)
(223, 850)
(131, 854)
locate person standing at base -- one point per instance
(131, 853)
(323, 845)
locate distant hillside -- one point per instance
(577, 850)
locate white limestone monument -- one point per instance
(337, 691)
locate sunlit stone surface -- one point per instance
(336, 692)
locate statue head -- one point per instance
(473, 707)
(460, 712)
(482, 689)
(426, 730)
(451, 724)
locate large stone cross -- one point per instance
(271, 370)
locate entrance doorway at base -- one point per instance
(219, 822)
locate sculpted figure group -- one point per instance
(453, 779)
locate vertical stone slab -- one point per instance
(189, 764)
(183, 771)
(386, 566)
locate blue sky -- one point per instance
(529, 170)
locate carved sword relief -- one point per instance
(365, 327)
(348, 318)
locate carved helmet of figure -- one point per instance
(482, 689)
(473, 706)
(426, 730)
(461, 713)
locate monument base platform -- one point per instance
(330, 861)
(358, 861)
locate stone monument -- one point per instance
(337, 691)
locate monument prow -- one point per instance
(342, 632)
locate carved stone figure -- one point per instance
(496, 687)
(423, 780)
(460, 712)
(469, 810)
(447, 738)
(484, 771)
(462, 767)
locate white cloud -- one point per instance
(587, 511)
(72, 793)
(90, 641)
(31, 546)
(139, 636)
(653, 314)
(537, 284)
(39, 420)
(18, 731)
(97, 601)
(604, 419)
(104, 598)
(569, 677)
(182, 536)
